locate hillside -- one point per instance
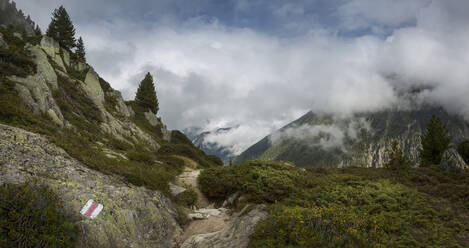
(66, 130)
(360, 140)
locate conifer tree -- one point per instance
(463, 150)
(38, 31)
(146, 94)
(434, 142)
(62, 29)
(398, 161)
(80, 53)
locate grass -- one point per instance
(30, 217)
(16, 60)
(350, 207)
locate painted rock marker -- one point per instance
(91, 209)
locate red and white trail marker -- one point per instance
(91, 209)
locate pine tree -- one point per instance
(398, 161)
(146, 94)
(80, 52)
(38, 31)
(62, 29)
(434, 142)
(463, 150)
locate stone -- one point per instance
(176, 189)
(79, 66)
(18, 35)
(154, 121)
(453, 162)
(196, 216)
(234, 235)
(133, 216)
(3, 43)
(93, 87)
(212, 212)
(52, 48)
(231, 200)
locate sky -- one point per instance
(257, 65)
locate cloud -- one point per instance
(257, 65)
(327, 136)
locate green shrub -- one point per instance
(218, 182)
(142, 156)
(318, 227)
(187, 198)
(30, 217)
(214, 160)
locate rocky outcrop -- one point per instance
(234, 235)
(132, 216)
(52, 48)
(154, 121)
(452, 161)
(35, 90)
(121, 107)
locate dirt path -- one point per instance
(189, 177)
(209, 219)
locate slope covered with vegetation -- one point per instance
(349, 207)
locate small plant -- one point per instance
(187, 198)
(30, 217)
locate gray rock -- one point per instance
(93, 87)
(196, 216)
(176, 189)
(35, 91)
(154, 121)
(121, 107)
(52, 48)
(452, 161)
(132, 216)
(209, 211)
(3, 43)
(231, 200)
(18, 35)
(234, 235)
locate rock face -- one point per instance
(234, 235)
(452, 161)
(52, 48)
(35, 90)
(132, 216)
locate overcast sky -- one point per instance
(259, 64)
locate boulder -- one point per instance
(93, 87)
(121, 107)
(132, 216)
(452, 161)
(176, 189)
(234, 235)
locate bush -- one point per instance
(187, 198)
(30, 217)
(218, 182)
(141, 156)
(318, 227)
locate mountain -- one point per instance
(212, 148)
(360, 140)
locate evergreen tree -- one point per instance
(38, 31)
(146, 94)
(398, 161)
(80, 53)
(434, 142)
(62, 29)
(463, 150)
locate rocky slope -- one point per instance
(361, 140)
(132, 216)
